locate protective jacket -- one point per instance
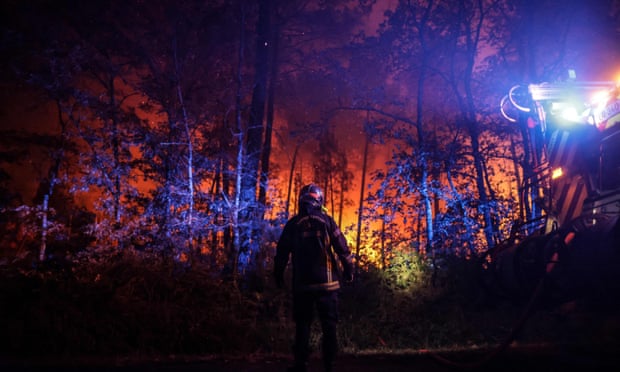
(316, 245)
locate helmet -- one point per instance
(311, 194)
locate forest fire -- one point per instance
(152, 152)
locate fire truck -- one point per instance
(566, 242)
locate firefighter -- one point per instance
(316, 246)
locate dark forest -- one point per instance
(152, 151)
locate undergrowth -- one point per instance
(143, 305)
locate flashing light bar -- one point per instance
(592, 102)
(562, 91)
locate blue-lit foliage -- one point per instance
(157, 102)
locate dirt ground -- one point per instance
(529, 359)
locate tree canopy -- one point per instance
(187, 128)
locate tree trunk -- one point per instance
(290, 180)
(423, 163)
(249, 181)
(116, 152)
(43, 247)
(515, 165)
(233, 247)
(422, 159)
(341, 198)
(190, 159)
(266, 153)
(257, 109)
(383, 260)
(484, 207)
(471, 27)
(52, 179)
(360, 208)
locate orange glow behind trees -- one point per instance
(158, 98)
